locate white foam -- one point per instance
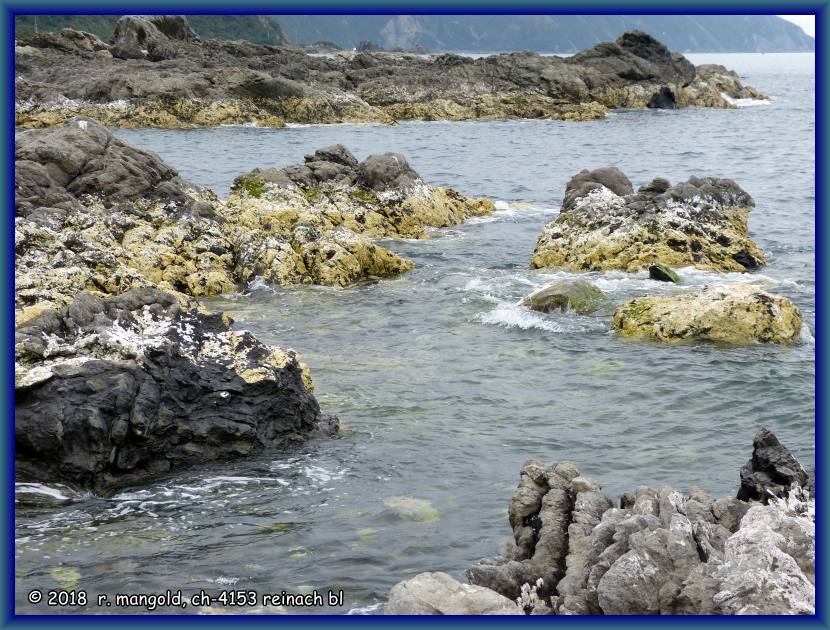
(364, 610)
(744, 102)
(515, 316)
(39, 488)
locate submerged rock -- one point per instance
(412, 509)
(578, 295)
(209, 82)
(441, 594)
(659, 551)
(737, 314)
(603, 225)
(663, 273)
(114, 391)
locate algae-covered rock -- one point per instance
(737, 314)
(311, 222)
(579, 296)
(412, 509)
(662, 273)
(97, 214)
(601, 226)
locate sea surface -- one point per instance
(444, 385)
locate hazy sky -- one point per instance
(806, 22)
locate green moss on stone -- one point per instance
(252, 185)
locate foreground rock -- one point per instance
(156, 72)
(656, 551)
(577, 295)
(737, 314)
(603, 225)
(441, 594)
(113, 391)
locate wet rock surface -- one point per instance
(579, 296)
(655, 551)
(114, 391)
(157, 72)
(328, 208)
(603, 225)
(735, 314)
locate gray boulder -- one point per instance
(583, 182)
(386, 171)
(441, 594)
(150, 37)
(54, 166)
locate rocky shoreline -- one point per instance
(654, 551)
(120, 376)
(157, 72)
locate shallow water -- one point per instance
(445, 386)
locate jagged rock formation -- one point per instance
(771, 471)
(737, 314)
(113, 391)
(207, 83)
(603, 224)
(657, 551)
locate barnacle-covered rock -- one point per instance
(604, 225)
(114, 391)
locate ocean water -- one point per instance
(445, 386)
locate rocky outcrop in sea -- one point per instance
(654, 551)
(604, 224)
(120, 376)
(94, 213)
(736, 314)
(156, 72)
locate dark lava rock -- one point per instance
(663, 273)
(663, 99)
(385, 172)
(771, 471)
(55, 165)
(583, 182)
(115, 391)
